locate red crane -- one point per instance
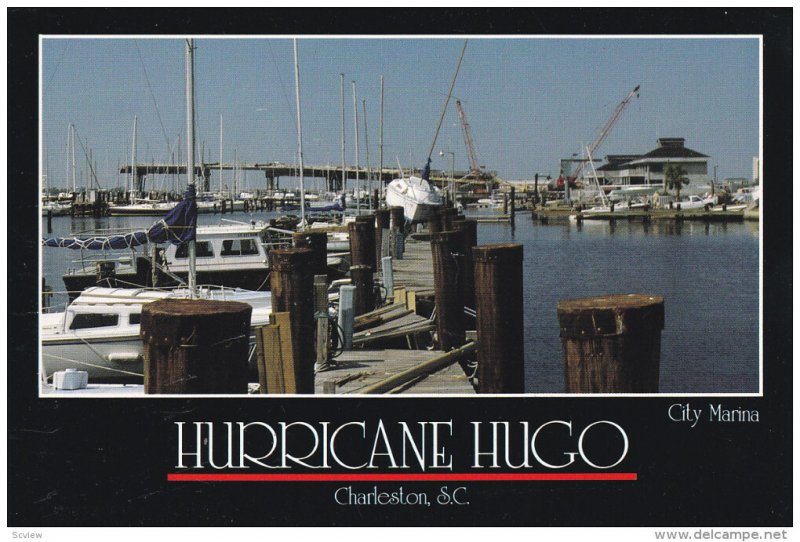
(471, 156)
(606, 130)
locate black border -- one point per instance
(82, 462)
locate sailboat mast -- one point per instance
(72, 139)
(366, 149)
(220, 153)
(357, 190)
(190, 152)
(133, 157)
(380, 145)
(299, 136)
(344, 175)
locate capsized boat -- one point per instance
(415, 195)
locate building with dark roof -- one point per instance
(648, 169)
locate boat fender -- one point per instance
(124, 357)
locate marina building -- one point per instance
(648, 169)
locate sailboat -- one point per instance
(99, 331)
(415, 195)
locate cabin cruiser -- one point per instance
(99, 331)
(415, 195)
(231, 254)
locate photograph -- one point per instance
(360, 267)
(532, 220)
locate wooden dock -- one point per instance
(361, 370)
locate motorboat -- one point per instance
(230, 254)
(99, 331)
(415, 195)
(143, 208)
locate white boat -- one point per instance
(695, 202)
(230, 254)
(56, 208)
(99, 331)
(630, 192)
(143, 208)
(416, 196)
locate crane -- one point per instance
(471, 156)
(609, 125)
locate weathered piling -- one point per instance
(382, 218)
(321, 320)
(362, 242)
(376, 202)
(362, 278)
(318, 243)
(512, 211)
(398, 225)
(469, 229)
(446, 215)
(195, 346)
(346, 317)
(448, 258)
(612, 344)
(49, 221)
(434, 221)
(292, 282)
(498, 300)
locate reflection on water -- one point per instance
(707, 273)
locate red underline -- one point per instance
(404, 477)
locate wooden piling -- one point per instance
(469, 227)
(362, 242)
(292, 291)
(434, 221)
(513, 205)
(382, 218)
(447, 250)
(446, 215)
(362, 278)
(49, 221)
(612, 343)
(195, 346)
(318, 243)
(498, 300)
(376, 204)
(321, 320)
(397, 224)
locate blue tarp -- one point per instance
(179, 226)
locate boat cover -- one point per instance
(179, 226)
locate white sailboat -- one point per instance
(415, 195)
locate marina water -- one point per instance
(707, 273)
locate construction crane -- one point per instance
(609, 125)
(474, 168)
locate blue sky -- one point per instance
(529, 101)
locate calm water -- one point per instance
(708, 275)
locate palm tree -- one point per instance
(674, 179)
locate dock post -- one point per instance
(49, 221)
(318, 242)
(362, 241)
(498, 307)
(195, 346)
(388, 274)
(612, 344)
(469, 227)
(376, 204)
(446, 215)
(362, 279)
(512, 211)
(291, 279)
(346, 315)
(448, 259)
(381, 225)
(398, 225)
(434, 222)
(321, 320)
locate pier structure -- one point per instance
(335, 176)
